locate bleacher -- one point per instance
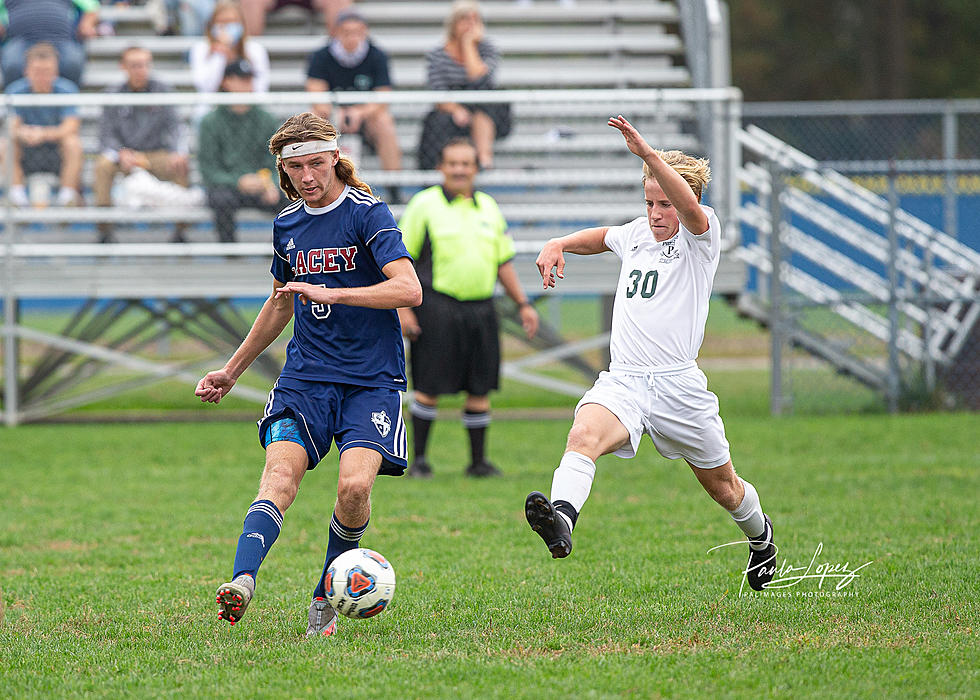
(560, 168)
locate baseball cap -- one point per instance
(239, 69)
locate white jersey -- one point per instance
(662, 299)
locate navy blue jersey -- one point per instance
(344, 244)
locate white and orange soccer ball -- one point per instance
(360, 583)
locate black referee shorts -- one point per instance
(459, 347)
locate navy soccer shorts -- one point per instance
(349, 415)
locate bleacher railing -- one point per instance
(560, 169)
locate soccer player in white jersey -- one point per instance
(653, 385)
(339, 271)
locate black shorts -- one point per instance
(43, 158)
(459, 347)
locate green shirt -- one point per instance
(231, 145)
(458, 245)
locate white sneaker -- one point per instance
(67, 197)
(18, 196)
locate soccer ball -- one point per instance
(359, 583)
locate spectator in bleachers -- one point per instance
(226, 41)
(62, 23)
(233, 155)
(257, 10)
(466, 61)
(46, 139)
(189, 17)
(350, 61)
(147, 137)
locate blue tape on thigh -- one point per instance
(284, 429)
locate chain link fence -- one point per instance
(876, 302)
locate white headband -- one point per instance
(305, 148)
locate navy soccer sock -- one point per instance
(263, 521)
(342, 538)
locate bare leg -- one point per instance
(18, 169)
(71, 162)
(722, 484)
(285, 467)
(254, 12)
(596, 432)
(358, 469)
(483, 132)
(381, 130)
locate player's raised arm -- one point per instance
(676, 188)
(551, 259)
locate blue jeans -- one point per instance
(71, 59)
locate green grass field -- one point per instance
(114, 537)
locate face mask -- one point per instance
(230, 32)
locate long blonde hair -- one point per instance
(309, 127)
(695, 171)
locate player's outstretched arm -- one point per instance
(551, 259)
(679, 193)
(402, 288)
(270, 322)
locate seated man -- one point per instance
(45, 138)
(352, 62)
(233, 155)
(131, 136)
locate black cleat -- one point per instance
(762, 563)
(420, 469)
(482, 469)
(545, 520)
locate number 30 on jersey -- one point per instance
(644, 283)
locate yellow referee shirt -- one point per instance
(464, 241)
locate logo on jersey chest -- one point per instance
(382, 422)
(321, 260)
(669, 251)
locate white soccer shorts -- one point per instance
(671, 404)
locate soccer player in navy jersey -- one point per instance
(339, 270)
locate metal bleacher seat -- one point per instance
(545, 45)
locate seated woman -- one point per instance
(466, 61)
(226, 42)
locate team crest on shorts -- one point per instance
(669, 251)
(382, 422)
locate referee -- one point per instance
(458, 238)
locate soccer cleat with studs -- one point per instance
(233, 598)
(545, 520)
(323, 619)
(762, 563)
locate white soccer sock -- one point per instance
(573, 480)
(748, 516)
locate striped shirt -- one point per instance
(444, 73)
(44, 20)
